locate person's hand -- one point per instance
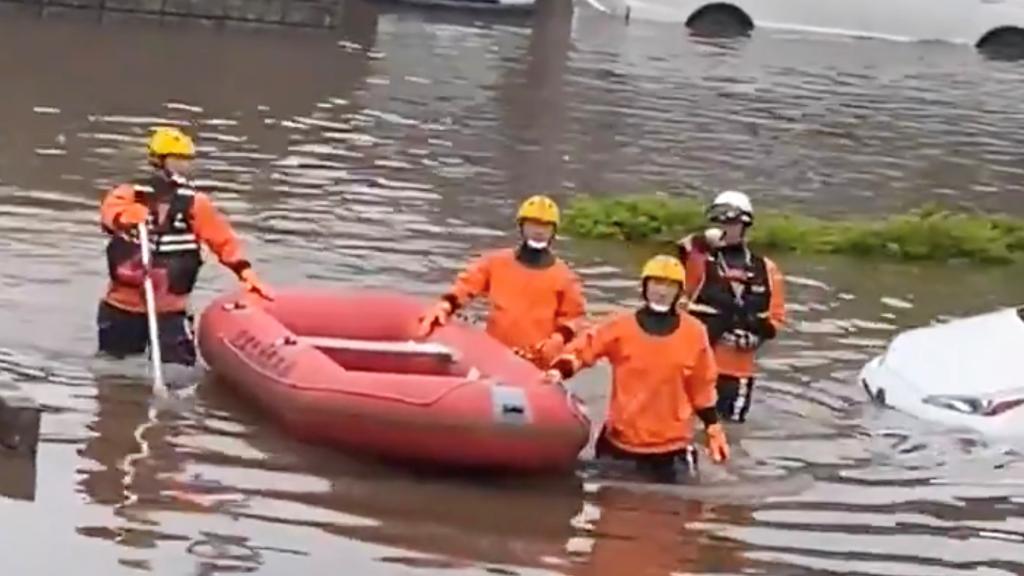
(252, 283)
(133, 215)
(553, 377)
(436, 316)
(717, 444)
(713, 237)
(549, 348)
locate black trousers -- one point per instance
(663, 467)
(734, 395)
(122, 333)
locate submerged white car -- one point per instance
(965, 373)
(996, 26)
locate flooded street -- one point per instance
(388, 152)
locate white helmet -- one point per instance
(730, 206)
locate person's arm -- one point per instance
(701, 383)
(214, 230)
(119, 210)
(586, 349)
(470, 283)
(767, 324)
(700, 386)
(571, 313)
(777, 305)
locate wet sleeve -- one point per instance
(113, 203)
(214, 230)
(471, 282)
(700, 383)
(571, 308)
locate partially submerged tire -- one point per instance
(1006, 43)
(720, 20)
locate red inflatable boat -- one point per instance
(341, 367)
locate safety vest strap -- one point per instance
(176, 242)
(698, 308)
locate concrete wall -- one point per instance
(309, 13)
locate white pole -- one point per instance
(154, 331)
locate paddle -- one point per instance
(154, 330)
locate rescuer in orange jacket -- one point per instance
(739, 295)
(536, 300)
(663, 373)
(181, 218)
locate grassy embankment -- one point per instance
(928, 233)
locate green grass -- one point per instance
(928, 233)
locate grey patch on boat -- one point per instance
(510, 404)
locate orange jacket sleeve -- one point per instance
(777, 286)
(471, 282)
(694, 260)
(214, 230)
(570, 316)
(113, 203)
(587, 348)
(700, 384)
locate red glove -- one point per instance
(717, 444)
(253, 284)
(133, 215)
(437, 316)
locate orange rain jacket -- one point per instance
(527, 305)
(763, 298)
(658, 382)
(206, 222)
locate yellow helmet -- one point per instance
(540, 208)
(168, 141)
(665, 268)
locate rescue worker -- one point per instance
(180, 219)
(663, 373)
(739, 295)
(536, 300)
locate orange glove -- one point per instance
(435, 317)
(253, 284)
(133, 215)
(717, 444)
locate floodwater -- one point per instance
(389, 151)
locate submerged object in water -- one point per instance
(963, 373)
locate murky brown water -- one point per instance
(385, 154)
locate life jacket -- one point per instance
(728, 297)
(724, 287)
(174, 246)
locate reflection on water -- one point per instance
(387, 152)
